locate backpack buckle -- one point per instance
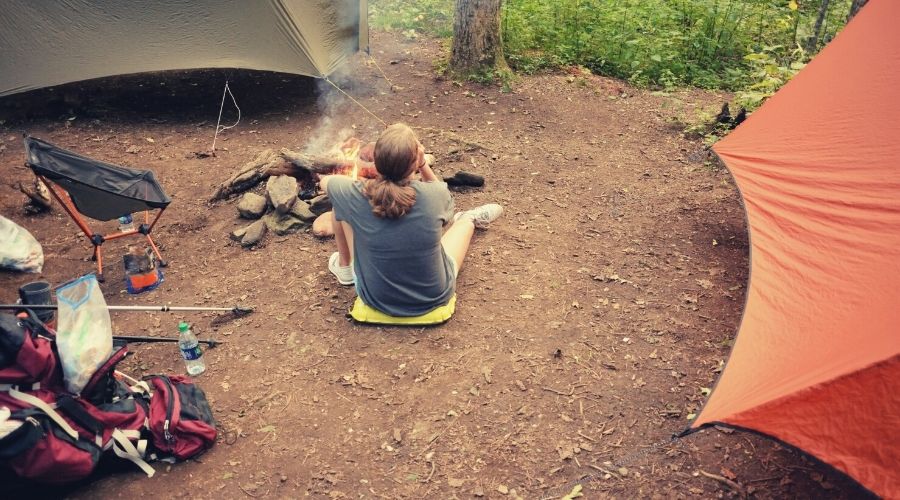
(166, 434)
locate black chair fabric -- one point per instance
(99, 190)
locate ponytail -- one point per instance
(390, 199)
(396, 151)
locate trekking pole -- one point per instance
(132, 338)
(236, 310)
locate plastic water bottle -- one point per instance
(126, 223)
(190, 350)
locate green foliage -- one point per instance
(432, 17)
(767, 75)
(741, 45)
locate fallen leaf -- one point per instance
(575, 493)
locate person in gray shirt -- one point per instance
(390, 233)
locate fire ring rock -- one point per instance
(282, 191)
(254, 233)
(283, 224)
(320, 204)
(301, 210)
(252, 206)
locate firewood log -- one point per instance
(38, 195)
(302, 166)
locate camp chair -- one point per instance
(97, 190)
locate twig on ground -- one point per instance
(763, 479)
(550, 389)
(727, 482)
(250, 494)
(430, 473)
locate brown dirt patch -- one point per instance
(590, 315)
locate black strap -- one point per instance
(34, 324)
(73, 410)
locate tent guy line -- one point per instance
(219, 127)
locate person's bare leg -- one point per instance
(323, 226)
(343, 238)
(456, 240)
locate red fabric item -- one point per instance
(177, 401)
(816, 362)
(55, 458)
(30, 359)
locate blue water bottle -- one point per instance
(126, 223)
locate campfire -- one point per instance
(292, 200)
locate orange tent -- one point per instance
(816, 363)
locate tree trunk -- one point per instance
(477, 42)
(814, 39)
(854, 8)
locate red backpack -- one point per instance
(181, 421)
(48, 435)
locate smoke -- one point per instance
(336, 114)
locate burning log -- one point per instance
(304, 167)
(327, 165)
(248, 175)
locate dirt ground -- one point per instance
(592, 316)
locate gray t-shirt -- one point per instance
(401, 268)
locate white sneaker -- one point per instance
(344, 274)
(481, 216)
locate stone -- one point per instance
(320, 204)
(301, 211)
(283, 224)
(252, 206)
(282, 191)
(238, 234)
(254, 233)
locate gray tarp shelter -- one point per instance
(45, 43)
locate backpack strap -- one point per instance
(124, 448)
(68, 405)
(44, 407)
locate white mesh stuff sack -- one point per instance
(19, 250)
(84, 331)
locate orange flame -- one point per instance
(349, 152)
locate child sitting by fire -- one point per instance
(389, 231)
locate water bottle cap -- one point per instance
(183, 327)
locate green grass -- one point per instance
(741, 45)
